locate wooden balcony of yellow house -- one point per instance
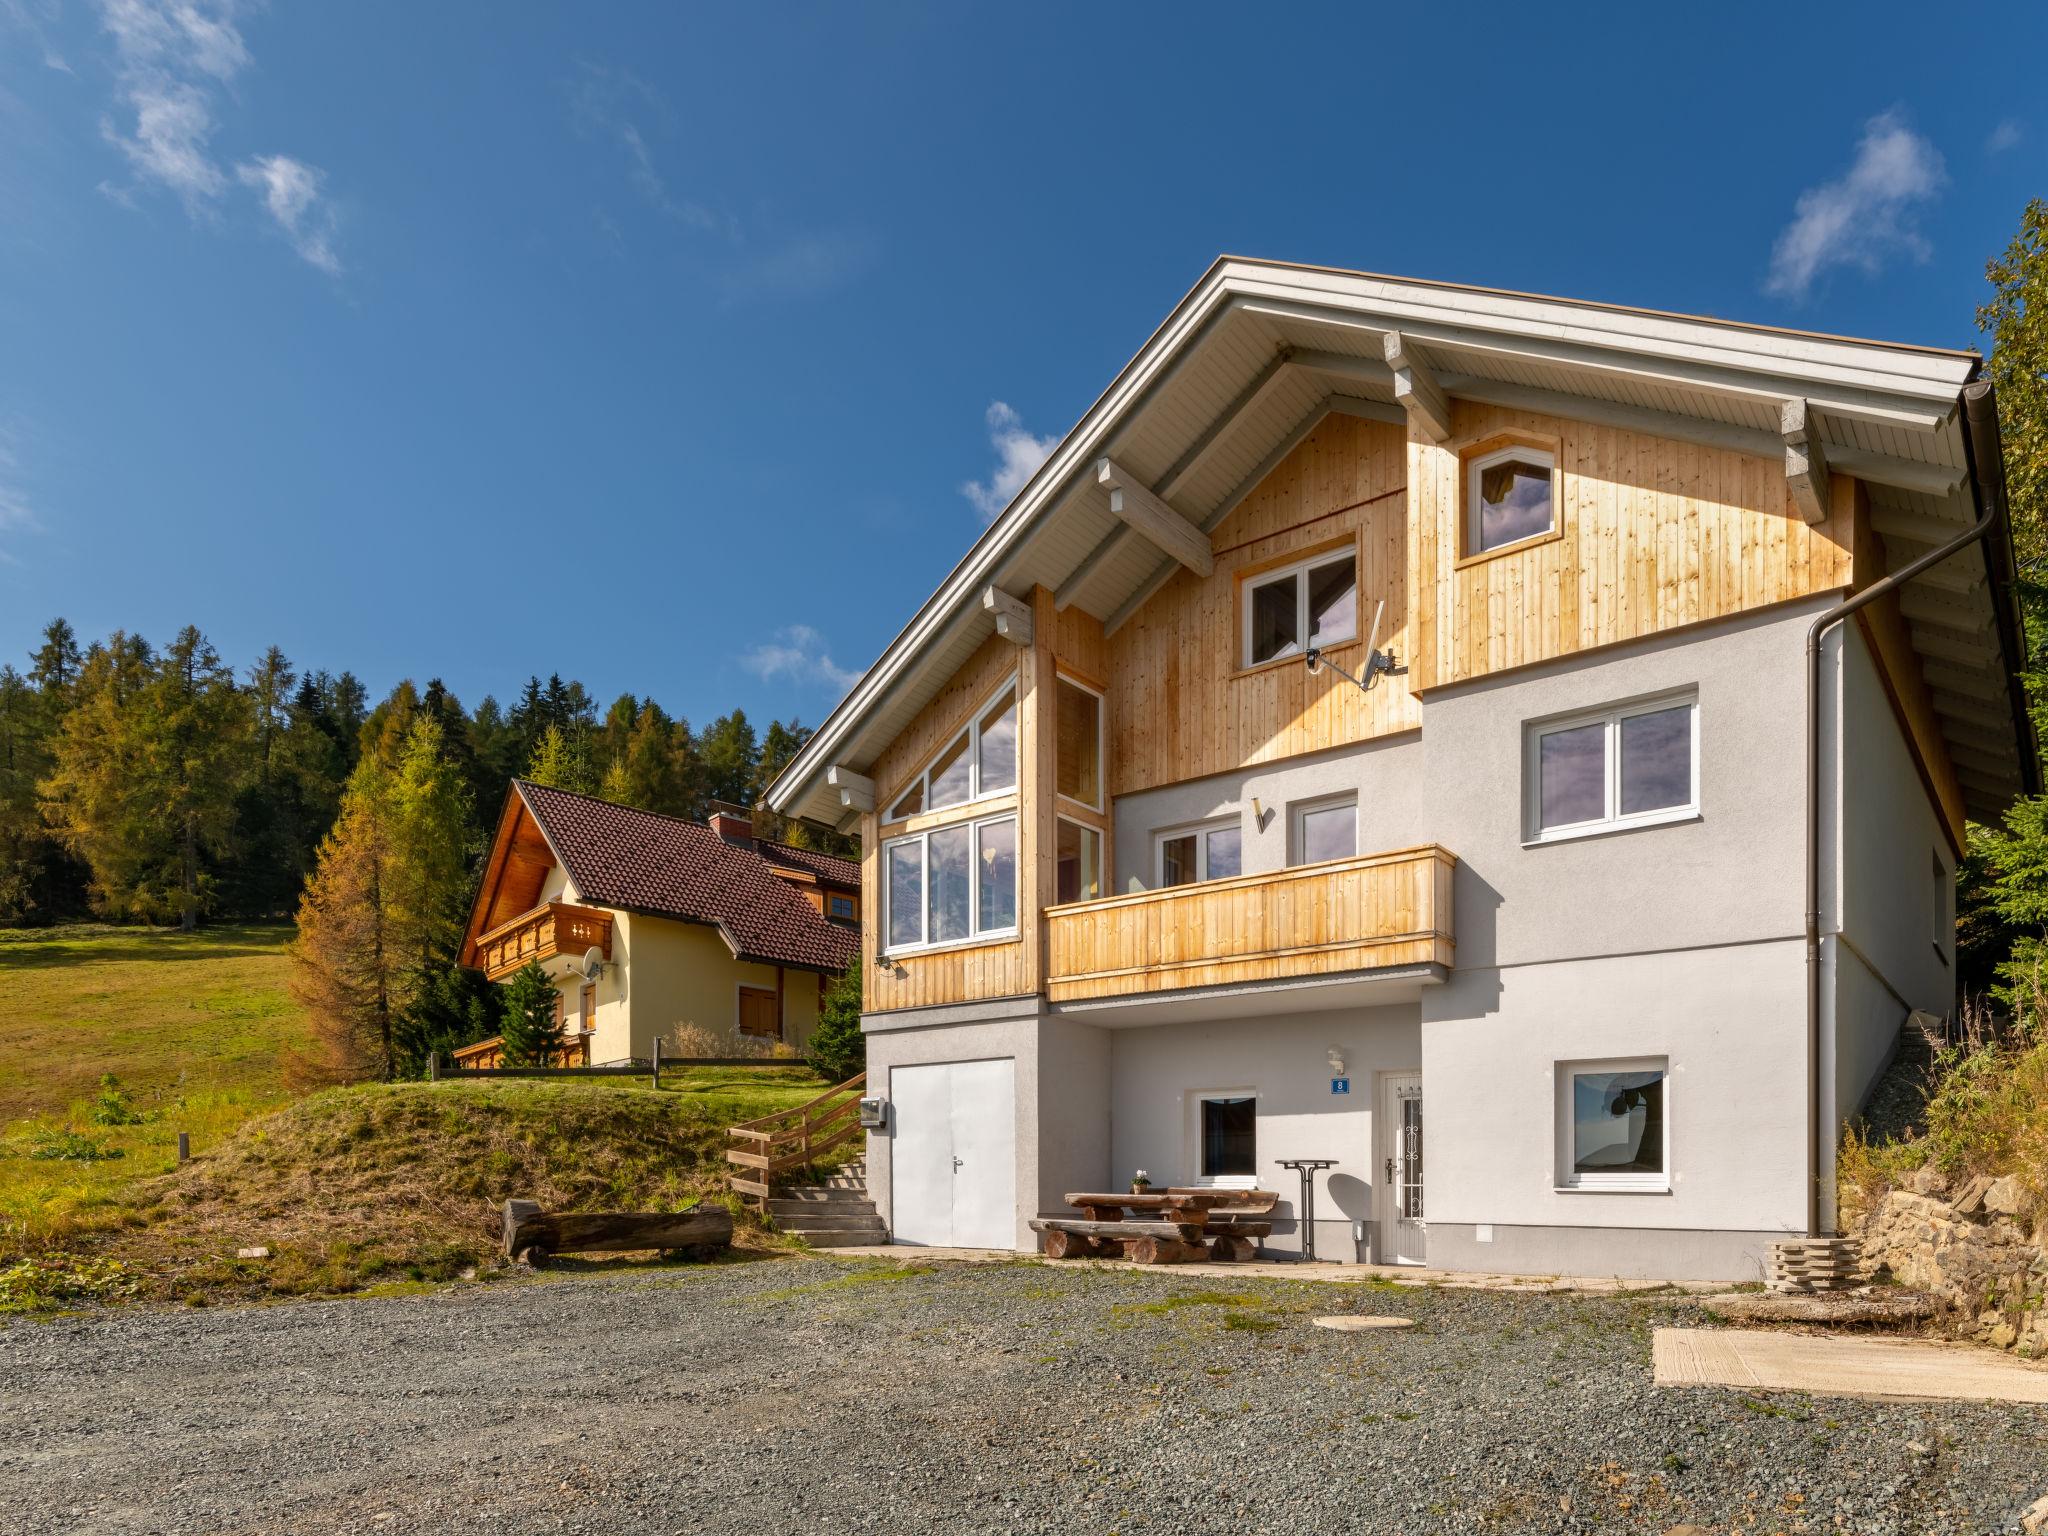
(550, 929)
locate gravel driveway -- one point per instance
(817, 1395)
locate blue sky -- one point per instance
(683, 349)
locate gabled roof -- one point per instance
(637, 861)
(1259, 351)
(825, 868)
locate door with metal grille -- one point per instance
(1403, 1233)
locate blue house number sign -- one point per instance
(1340, 1085)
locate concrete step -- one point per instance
(819, 1194)
(830, 1221)
(862, 1238)
(847, 1204)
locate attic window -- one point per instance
(1510, 496)
(980, 761)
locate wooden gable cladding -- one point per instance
(514, 874)
(1003, 967)
(1653, 535)
(1181, 706)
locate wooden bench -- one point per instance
(1173, 1226)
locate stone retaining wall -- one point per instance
(1981, 1252)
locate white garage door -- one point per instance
(953, 1158)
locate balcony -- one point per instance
(1371, 913)
(555, 928)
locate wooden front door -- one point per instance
(1403, 1234)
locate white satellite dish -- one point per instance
(593, 963)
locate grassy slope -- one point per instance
(194, 1026)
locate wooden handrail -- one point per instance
(771, 1145)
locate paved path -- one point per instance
(1832, 1365)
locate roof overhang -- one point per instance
(1259, 351)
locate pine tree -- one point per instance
(193, 722)
(731, 756)
(532, 1030)
(562, 761)
(837, 1049)
(2016, 319)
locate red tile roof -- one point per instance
(641, 862)
(829, 868)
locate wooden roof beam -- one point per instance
(1133, 503)
(1417, 390)
(1806, 462)
(1012, 616)
(856, 792)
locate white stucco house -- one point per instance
(1574, 938)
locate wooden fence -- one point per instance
(440, 1071)
(763, 1150)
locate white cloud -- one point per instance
(17, 515)
(1018, 455)
(799, 654)
(291, 191)
(2006, 135)
(172, 58)
(1863, 216)
(610, 104)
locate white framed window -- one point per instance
(1510, 495)
(1614, 1124)
(1223, 1127)
(979, 762)
(950, 885)
(1634, 765)
(1185, 855)
(1944, 906)
(1313, 602)
(1077, 856)
(1077, 743)
(1321, 830)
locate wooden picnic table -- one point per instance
(1167, 1227)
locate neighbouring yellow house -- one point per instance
(650, 925)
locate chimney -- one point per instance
(733, 824)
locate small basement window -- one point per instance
(1311, 603)
(1510, 495)
(1614, 1129)
(1227, 1130)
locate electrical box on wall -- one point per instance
(874, 1114)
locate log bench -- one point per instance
(1150, 1242)
(535, 1234)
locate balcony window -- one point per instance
(1311, 603)
(1079, 860)
(1631, 766)
(1325, 830)
(1214, 852)
(951, 884)
(1078, 737)
(1614, 1131)
(1510, 496)
(979, 762)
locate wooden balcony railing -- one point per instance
(1385, 909)
(556, 928)
(575, 1052)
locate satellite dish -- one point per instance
(593, 963)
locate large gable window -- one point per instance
(979, 762)
(951, 884)
(1313, 602)
(1510, 497)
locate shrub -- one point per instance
(71, 1147)
(838, 1050)
(111, 1107)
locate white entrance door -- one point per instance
(1402, 1231)
(953, 1157)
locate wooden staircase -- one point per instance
(834, 1212)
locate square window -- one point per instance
(1201, 853)
(1078, 855)
(1631, 765)
(1510, 495)
(1325, 832)
(841, 909)
(1614, 1128)
(1313, 602)
(1078, 744)
(1228, 1136)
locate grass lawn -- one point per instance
(349, 1185)
(194, 1026)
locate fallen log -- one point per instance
(536, 1234)
(1075, 1245)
